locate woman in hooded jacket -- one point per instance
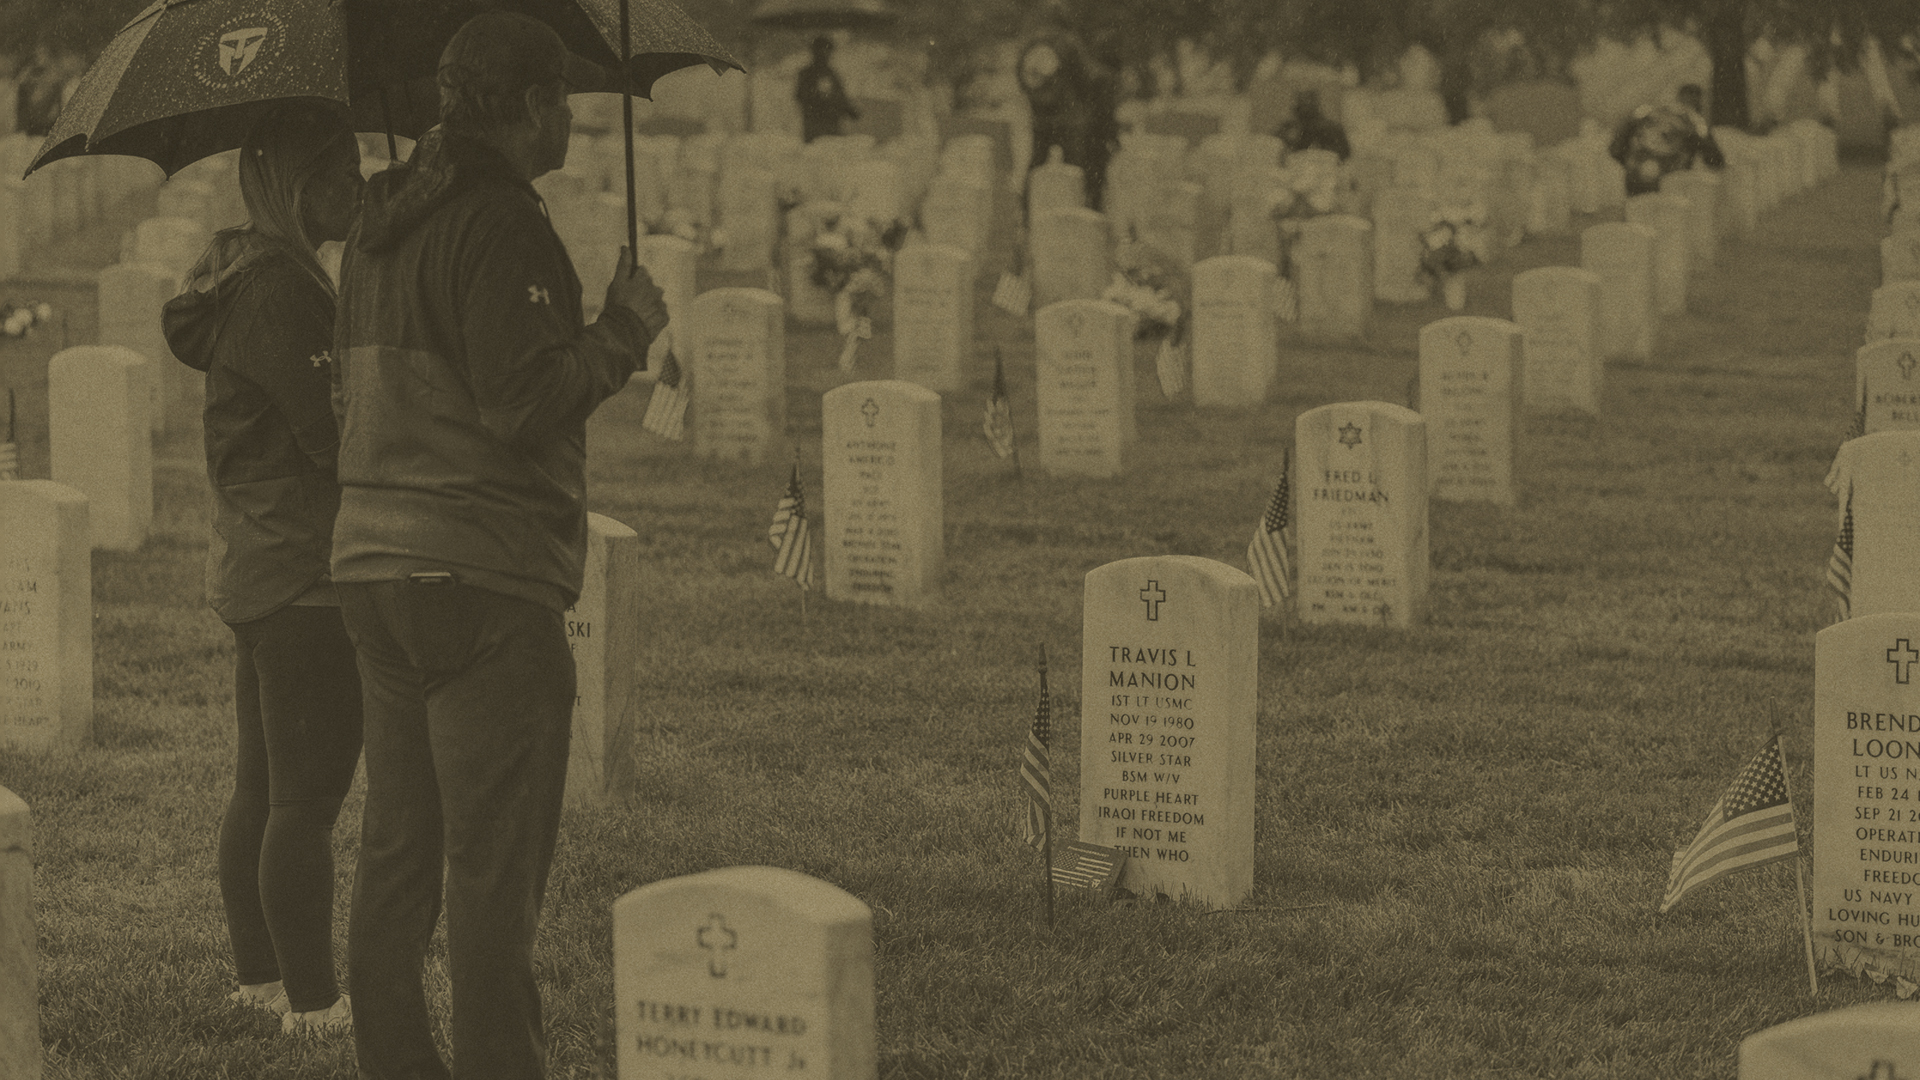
(257, 316)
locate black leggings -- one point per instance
(296, 694)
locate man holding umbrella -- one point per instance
(463, 381)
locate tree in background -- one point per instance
(74, 27)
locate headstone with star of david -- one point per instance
(1668, 216)
(740, 973)
(1333, 260)
(1558, 311)
(1620, 253)
(1866, 770)
(1887, 379)
(1900, 257)
(933, 316)
(1882, 473)
(1471, 376)
(734, 353)
(882, 512)
(1895, 311)
(1235, 331)
(1876, 1041)
(1169, 687)
(1083, 386)
(1360, 490)
(1071, 256)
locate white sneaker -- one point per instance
(336, 1020)
(269, 996)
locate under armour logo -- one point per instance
(538, 294)
(238, 49)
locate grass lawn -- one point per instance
(1471, 821)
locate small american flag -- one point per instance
(1751, 825)
(1840, 563)
(9, 454)
(1859, 425)
(667, 409)
(1089, 866)
(998, 424)
(792, 546)
(1171, 365)
(1034, 772)
(1014, 294)
(1267, 554)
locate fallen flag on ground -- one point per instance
(1089, 866)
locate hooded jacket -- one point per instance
(463, 379)
(261, 334)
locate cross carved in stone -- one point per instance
(710, 938)
(1153, 594)
(1903, 656)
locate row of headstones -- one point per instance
(60, 199)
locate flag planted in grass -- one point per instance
(1014, 294)
(1089, 866)
(1034, 770)
(667, 409)
(1751, 825)
(1170, 363)
(1840, 563)
(9, 454)
(1267, 554)
(792, 545)
(998, 424)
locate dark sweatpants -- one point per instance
(296, 696)
(469, 699)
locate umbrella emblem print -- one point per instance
(238, 48)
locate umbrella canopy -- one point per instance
(825, 14)
(186, 79)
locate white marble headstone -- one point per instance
(1876, 1041)
(734, 350)
(1471, 374)
(1071, 256)
(101, 439)
(1333, 260)
(1168, 692)
(1900, 257)
(1235, 331)
(1083, 386)
(1668, 216)
(46, 617)
(933, 316)
(603, 633)
(1620, 254)
(882, 493)
(1895, 311)
(1558, 311)
(1361, 519)
(1885, 379)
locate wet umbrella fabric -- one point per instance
(186, 79)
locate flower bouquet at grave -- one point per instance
(19, 317)
(853, 260)
(1302, 191)
(1452, 243)
(1151, 285)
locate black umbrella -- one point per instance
(826, 14)
(186, 79)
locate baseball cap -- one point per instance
(506, 52)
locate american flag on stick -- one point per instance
(998, 423)
(1034, 771)
(1859, 425)
(1840, 563)
(1751, 825)
(9, 454)
(667, 409)
(1267, 554)
(792, 546)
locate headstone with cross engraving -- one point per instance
(734, 349)
(46, 617)
(1235, 331)
(1083, 385)
(1360, 490)
(1620, 254)
(1071, 256)
(740, 973)
(1333, 264)
(1895, 311)
(100, 439)
(933, 316)
(1471, 376)
(1558, 311)
(1887, 384)
(603, 633)
(1876, 1041)
(1168, 688)
(1866, 769)
(1900, 257)
(1667, 215)
(881, 493)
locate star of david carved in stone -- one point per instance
(1350, 434)
(870, 410)
(709, 938)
